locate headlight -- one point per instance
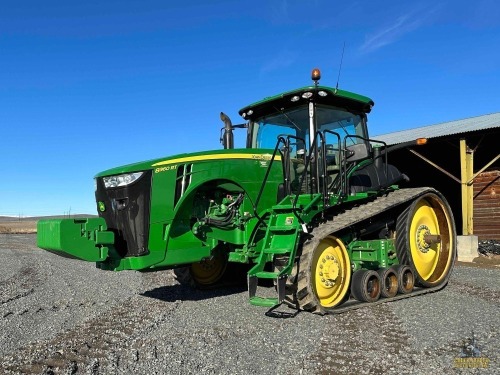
(121, 179)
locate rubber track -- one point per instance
(401, 240)
(341, 222)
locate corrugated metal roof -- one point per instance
(439, 130)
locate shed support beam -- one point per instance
(483, 168)
(435, 165)
(467, 173)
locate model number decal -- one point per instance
(167, 168)
(262, 157)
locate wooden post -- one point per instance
(467, 173)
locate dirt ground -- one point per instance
(18, 227)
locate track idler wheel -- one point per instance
(388, 281)
(331, 272)
(406, 279)
(426, 239)
(324, 275)
(366, 285)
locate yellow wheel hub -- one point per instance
(209, 271)
(332, 272)
(424, 255)
(423, 232)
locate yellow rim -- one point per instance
(431, 258)
(332, 272)
(209, 271)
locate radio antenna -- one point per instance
(340, 68)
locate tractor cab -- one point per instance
(317, 128)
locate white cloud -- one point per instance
(395, 30)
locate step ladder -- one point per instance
(282, 238)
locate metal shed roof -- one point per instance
(446, 128)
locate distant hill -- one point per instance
(4, 219)
(13, 225)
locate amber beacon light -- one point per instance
(316, 75)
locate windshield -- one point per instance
(295, 122)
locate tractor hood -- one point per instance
(166, 163)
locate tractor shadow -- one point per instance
(233, 282)
(172, 293)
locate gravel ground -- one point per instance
(61, 316)
(489, 247)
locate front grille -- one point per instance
(127, 214)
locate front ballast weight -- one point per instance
(86, 239)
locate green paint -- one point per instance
(85, 239)
(372, 254)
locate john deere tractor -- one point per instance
(311, 205)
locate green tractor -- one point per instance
(311, 204)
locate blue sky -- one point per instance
(86, 86)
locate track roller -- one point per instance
(389, 282)
(406, 279)
(366, 285)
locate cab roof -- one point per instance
(322, 94)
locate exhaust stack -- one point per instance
(227, 138)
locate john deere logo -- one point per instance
(101, 206)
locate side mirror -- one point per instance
(357, 152)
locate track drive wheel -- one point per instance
(426, 239)
(324, 275)
(204, 274)
(366, 285)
